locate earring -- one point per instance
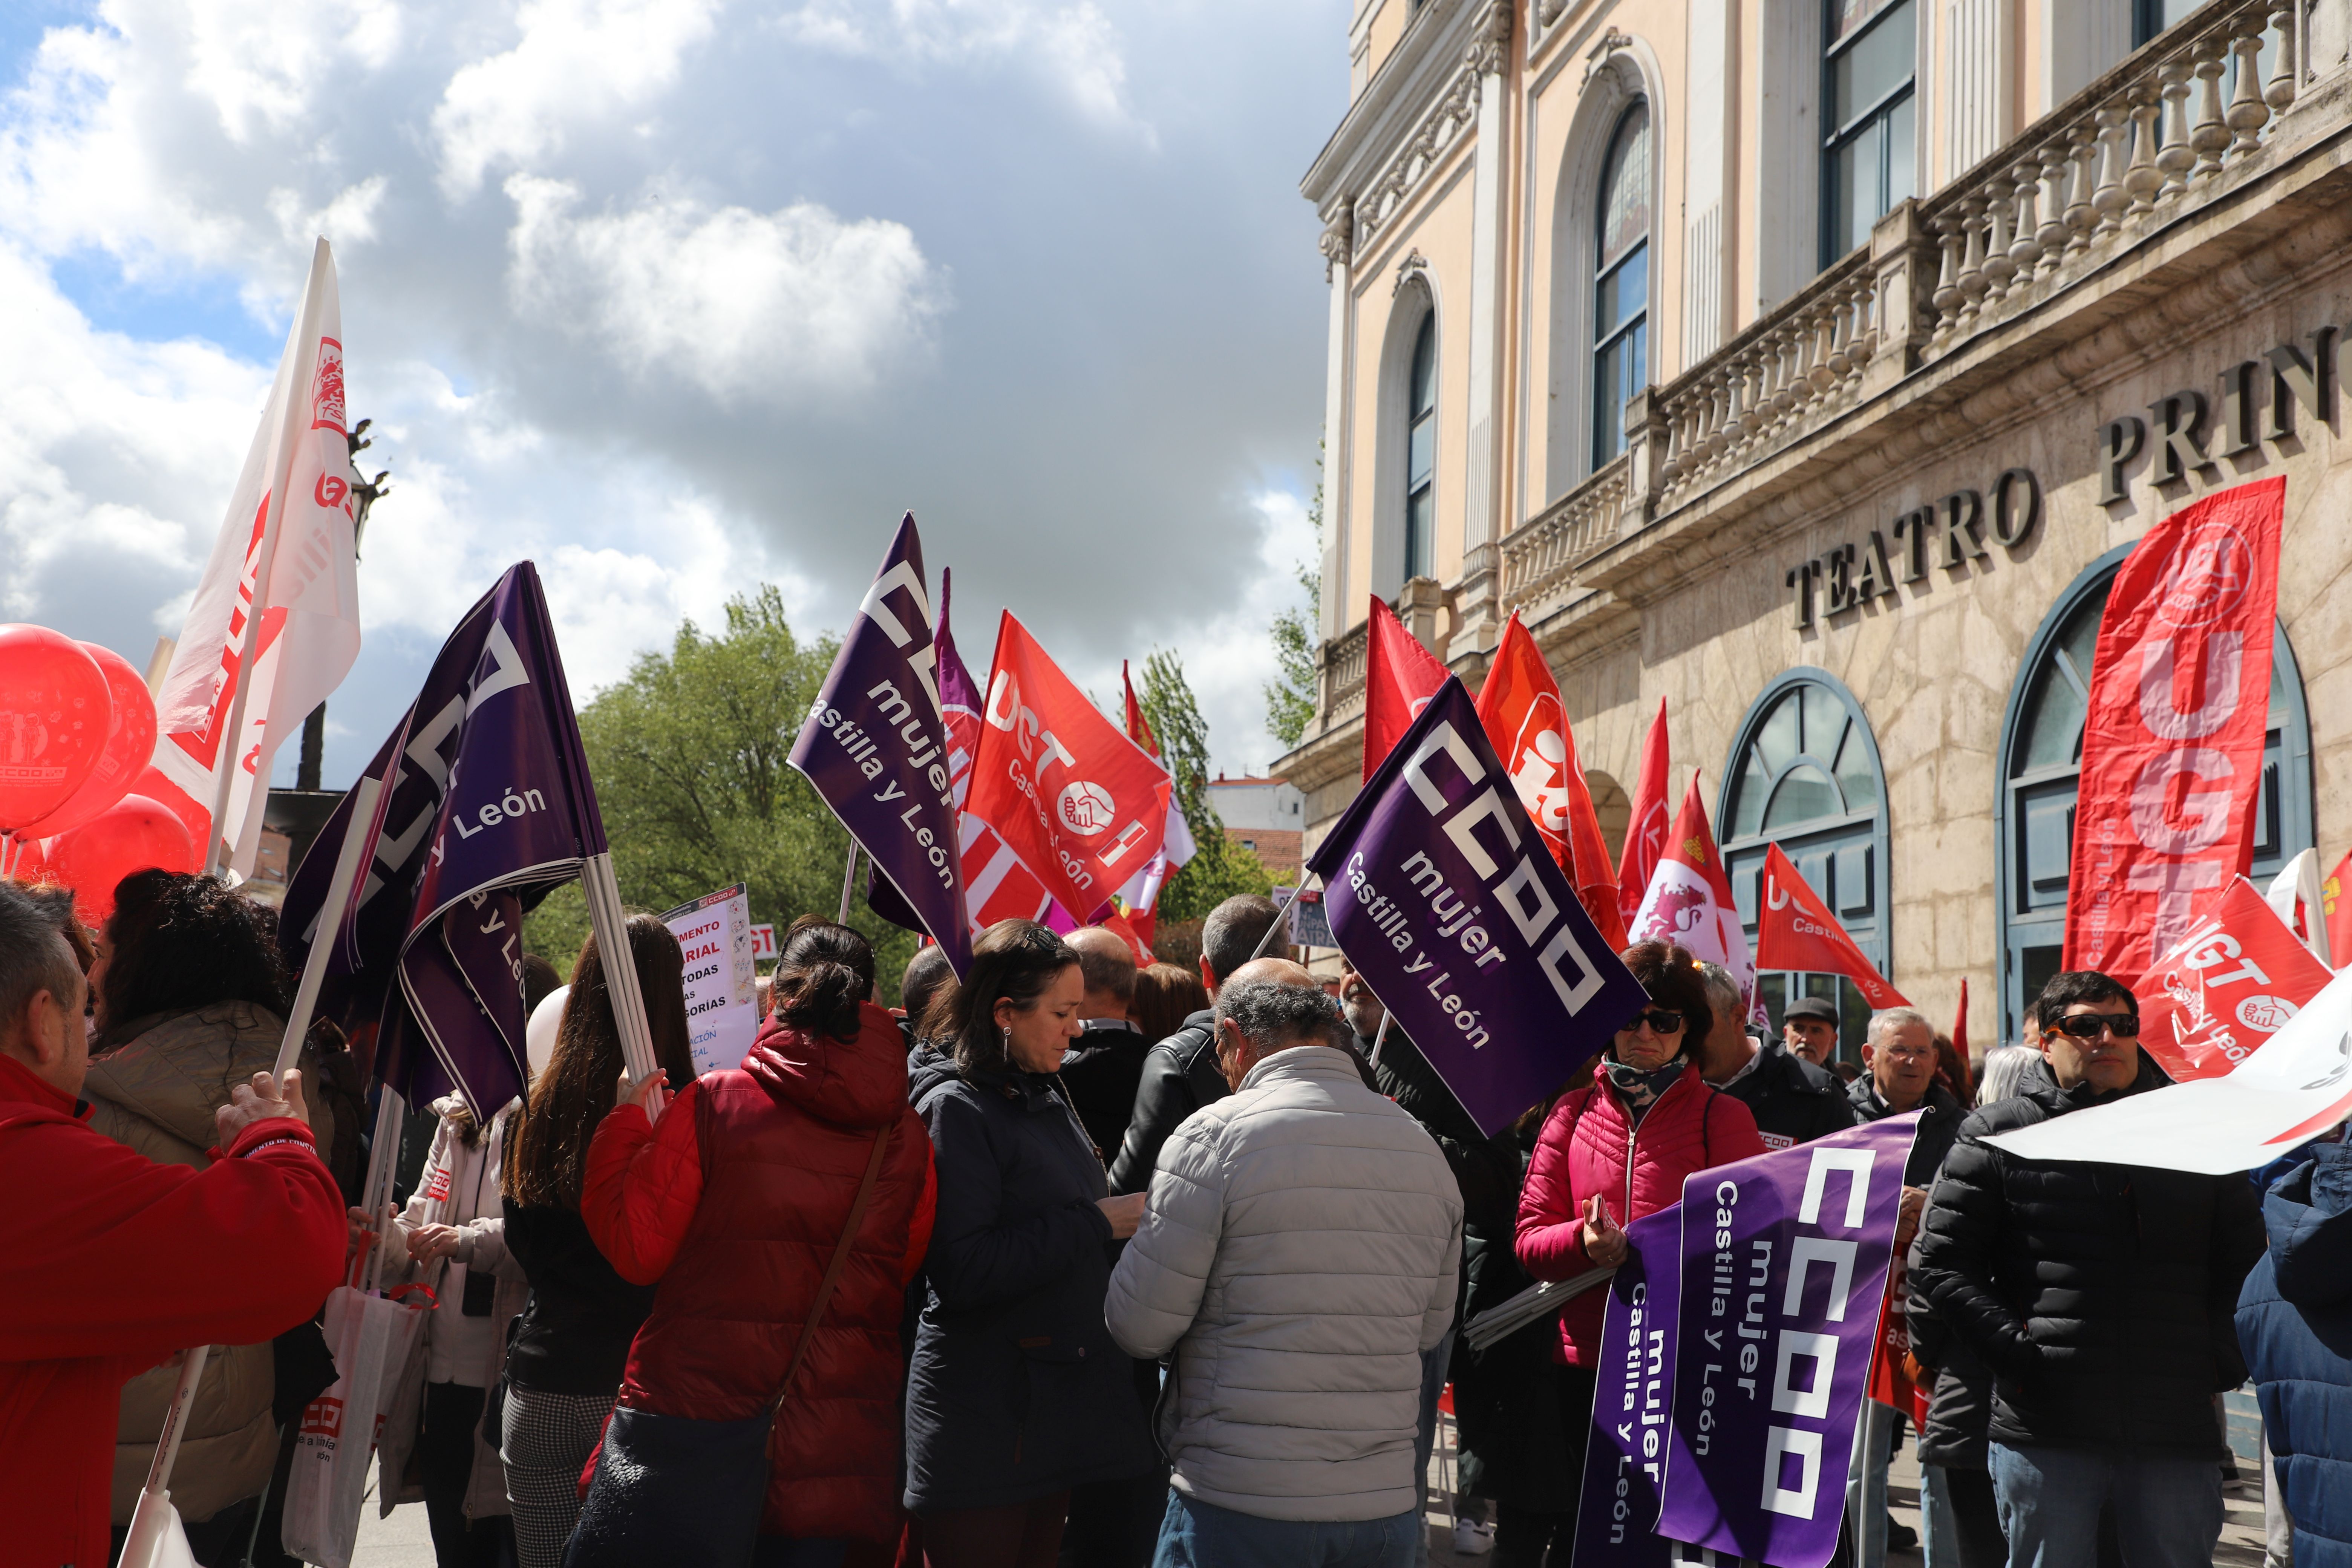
(1007, 1032)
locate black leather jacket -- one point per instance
(1179, 1076)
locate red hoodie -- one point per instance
(734, 1204)
(1589, 1145)
(109, 1264)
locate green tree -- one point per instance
(688, 757)
(1219, 869)
(1290, 698)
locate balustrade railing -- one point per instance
(1539, 559)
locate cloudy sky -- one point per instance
(676, 297)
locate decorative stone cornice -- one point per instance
(1339, 238)
(1610, 43)
(1440, 129)
(1394, 106)
(1413, 265)
(1490, 45)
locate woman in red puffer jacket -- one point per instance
(1618, 1149)
(735, 1201)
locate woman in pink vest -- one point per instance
(1618, 1149)
(736, 1201)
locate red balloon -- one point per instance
(130, 744)
(55, 715)
(197, 817)
(132, 835)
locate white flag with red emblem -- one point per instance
(285, 552)
(1689, 899)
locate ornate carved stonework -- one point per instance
(1414, 265)
(1339, 234)
(1490, 45)
(1611, 42)
(1453, 113)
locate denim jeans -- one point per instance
(2167, 1511)
(1197, 1534)
(1865, 1484)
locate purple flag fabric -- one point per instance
(1784, 1261)
(487, 807)
(875, 747)
(1441, 892)
(1632, 1400)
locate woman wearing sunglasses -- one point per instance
(1611, 1152)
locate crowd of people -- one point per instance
(1070, 1261)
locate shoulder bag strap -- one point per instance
(832, 1272)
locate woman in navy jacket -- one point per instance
(2294, 1324)
(1016, 1391)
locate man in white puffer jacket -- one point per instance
(1298, 1253)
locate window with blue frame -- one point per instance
(1868, 148)
(1621, 290)
(2041, 760)
(1421, 452)
(1804, 773)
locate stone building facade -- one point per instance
(1810, 364)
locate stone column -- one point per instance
(1339, 237)
(1482, 521)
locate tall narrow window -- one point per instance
(1421, 453)
(1621, 295)
(1873, 54)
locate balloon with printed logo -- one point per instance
(55, 715)
(129, 743)
(134, 834)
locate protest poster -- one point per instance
(1308, 925)
(1447, 901)
(2230, 984)
(2173, 737)
(723, 1006)
(1783, 1269)
(875, 747)
(1632, 1400)
(764, 942)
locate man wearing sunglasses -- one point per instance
(2101, 1298)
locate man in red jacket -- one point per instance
(109, 1262)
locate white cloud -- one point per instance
(779, 305)
(577, 62)
(1074, 47)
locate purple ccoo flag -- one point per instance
(487, 807)
(1444, 897)
(1784, 1262)
(1633, 1402)
(875, 747)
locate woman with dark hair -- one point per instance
(572, 1342)
(1609, 1153)
(191, 1002)
(734, 1205)
(1165, 995)
(1017, 1392)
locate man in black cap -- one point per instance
(1793, 1101)
(1810, 1025)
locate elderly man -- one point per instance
(1103, 1066)
(109, 1262)
(1793, 1101)
(1298, 1254)
(2100, 1296)
(1810, 1025)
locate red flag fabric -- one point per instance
(1520, 707)
(997, 886)
(1964, 1090)
(2172, 742)
(2228, 985)
(1138, 728)
(1795, 930)
(1400, 678)
(1689, 898)
(2336, 908)
(1082, 805)
(1645, 830)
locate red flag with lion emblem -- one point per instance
(1520, 707)
(1083, 805)
(1689, 899)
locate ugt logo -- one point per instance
(1539, 764)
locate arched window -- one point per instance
(1871, 58)
(1421, 452)
(2041, 758)
(1804, 774)
(1621, 290)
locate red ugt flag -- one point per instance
(1646, 830)
(997, 886)
(2172, 744)
(2234, 980)
(1400, 678)
(1083, 805)
(1795, 930)
(1520, 707)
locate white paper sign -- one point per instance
(722, 1010)
(763, 941)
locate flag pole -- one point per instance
(848, 882)
(155, 1499)
(228, 745)
(610, 921)
(1280, 922)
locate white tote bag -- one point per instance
(370, 1337)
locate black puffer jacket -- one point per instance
(1793, 1101)
(1017, 1390)
(2100, 1296)
(1179, 1076)
(1960, 1407)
